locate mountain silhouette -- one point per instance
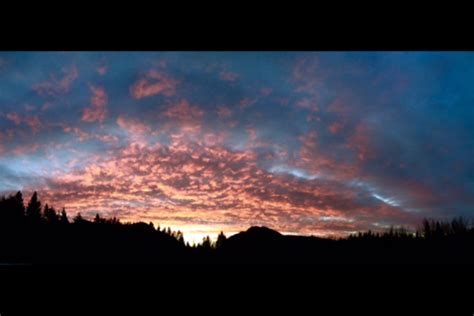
(255, 234)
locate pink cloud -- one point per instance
(14, 117)
(226, 75)
(335, 127)
(155, 82)
(133, 126)
(188, 182)
(308, 103)
(34, 123)
(102, 69)
(81, 135)
(98, 109)
(224, 112)
(318, 161)
(360, 142)
(110, 139)
(246, 102)
(182, 111)
(306, 75)
(56, 86)
(31, 121)
(26, 149)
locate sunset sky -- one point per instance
(310, 143)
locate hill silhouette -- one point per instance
(37, 234)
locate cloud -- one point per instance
(84, 136)
(230, 76)
(102, 68)
(307, 75)
(186, 181)
(25, 149)
(246, 102)
(308, 103)
(81, 135)
(224, 112)
(133, 126)
(183, 111)
(14, 117)
(33, 122)
(335, 127)
(187, 118)
(155, 82)
(360, 142)
(55, 86)
(98, 109)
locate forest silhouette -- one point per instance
(38, 234)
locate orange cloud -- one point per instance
(155, 82)
(98, 109)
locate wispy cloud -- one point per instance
(56, 86)
(98, 109)
(154, 82)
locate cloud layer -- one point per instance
(324, 144)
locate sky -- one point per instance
(313, 143)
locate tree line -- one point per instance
(34, 233)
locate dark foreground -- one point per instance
(89, 242)
(35, 235)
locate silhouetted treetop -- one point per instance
(33, 210)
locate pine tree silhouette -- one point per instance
(19, 206)
(206, 242)
(78, 218)
(50, 214)
(33, 210)
(221, 238)
(63, 219)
